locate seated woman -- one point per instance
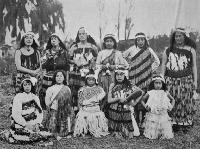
(122, 98)
(90, 118)
(27, 116)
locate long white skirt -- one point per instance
(91, 120)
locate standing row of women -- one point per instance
(116, 84)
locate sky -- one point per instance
(152, 17)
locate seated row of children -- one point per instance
(118, 119)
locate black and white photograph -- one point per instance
(99, 74)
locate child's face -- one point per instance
(140, 42)
(91, 81)
(109, 43)
(120, 77)
(157, 84)
(59, 78)
(27, 86)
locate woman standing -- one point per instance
(56, 59)
(143, 62)
(108, 60)
(83, 53)
(180, 71)
(27, 60)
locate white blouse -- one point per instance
(119, 60)
(51, 94)
(17, 111)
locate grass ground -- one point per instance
(190, 140)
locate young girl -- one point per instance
(120, 112)
(58, 102)
(90, 118)
(26, 116)
(157, 123)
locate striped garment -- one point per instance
(140, 71)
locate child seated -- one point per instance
(90, 119)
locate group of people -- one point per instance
(85, 91)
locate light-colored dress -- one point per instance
(157, 123)
(26, 110)
(90, 118)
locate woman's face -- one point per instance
(109, 43)
(82, 35)
(91, 81)
(120, 77)
(54, 41)
(140, 42)
(59, 78)
(28, 40)
(179, 38)
(27, 86)
(157, 84)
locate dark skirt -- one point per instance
(76, 81)
(182, 91)
(119, 119)
(58, 125)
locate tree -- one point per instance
(102, 17)
(125, 18)
(40, 16)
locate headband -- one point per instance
(140, 35)
(32, 79)
(109, 36)
(29, 33)
(182, 30)
(91, 76)
(158, 78)
(125, 72)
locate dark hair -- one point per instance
(115, 42)
(61, 44)
(22, 43)
(151, 85)
(187, 41)
(125, 83)
(91, 71)
(89, 39)
(146, 44)
(54, 77)
(33, 88)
